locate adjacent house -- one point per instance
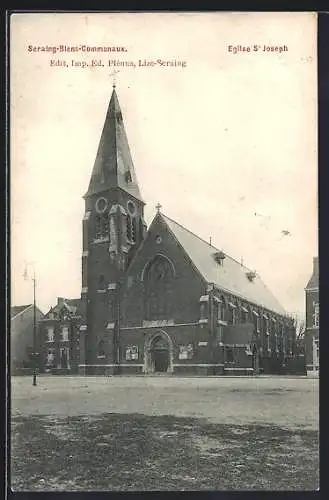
(312, 340)
(59, 337)
(21, 335)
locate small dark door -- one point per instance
(255, 359)
(161, 360)
(63, 358)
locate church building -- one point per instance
(161, 299)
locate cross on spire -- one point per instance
(158, 207)
(113, 74)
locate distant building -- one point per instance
(312, 347)
(59, 337)
(162, 299)
(21, 335)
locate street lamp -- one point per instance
(34, 354)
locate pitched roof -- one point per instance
(113, 165)
(231, 276)
(14, 310)
(71, 305)
(314, 280)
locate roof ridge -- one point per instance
(21, 310)
(24, 305)
(206, 242)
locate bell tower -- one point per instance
(113, 229)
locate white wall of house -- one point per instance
(21, 334)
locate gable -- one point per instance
(160, 241)
(15, 310)
(161, 283)
(67, 307)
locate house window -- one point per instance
(65, 334)
(132, 353)
(229, 355)
(185, 351)
(50, 334)
(316, 315)
(50, 358)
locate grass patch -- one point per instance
(134, 452)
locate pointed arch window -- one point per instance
(159, 276)
(102, 226)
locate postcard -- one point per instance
(164, 267)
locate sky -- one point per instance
(227, 144)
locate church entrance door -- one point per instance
(160, 354)
(161, 360)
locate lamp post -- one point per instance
(34, 354)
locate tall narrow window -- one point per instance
(101, 349)
(316, 314)
(105, 224)
(98, 227)
(256, 321)
(159, 289)
(230, 316)
(65, 334)
(244, 314)
(102, 226)
(220, 311)
(50, 334)
(101, 282)
(131, 228)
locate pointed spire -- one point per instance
(113, 165)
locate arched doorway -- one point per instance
(158, 356)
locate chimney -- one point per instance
(60, 301)
(315, 266)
